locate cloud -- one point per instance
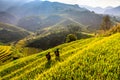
(93, 3)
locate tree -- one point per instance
(73, 29)
(71, 37)
(106, 23)
(113, 30)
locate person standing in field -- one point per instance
(48, 56)
(57, 54)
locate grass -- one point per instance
(93, 58)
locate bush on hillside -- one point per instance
(113, 30)
(16, 53)
(48, 41)
(71, 37)
(72, 28)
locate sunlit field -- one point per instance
(93, 58)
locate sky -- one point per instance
(92, 3)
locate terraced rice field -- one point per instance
(86, 59)
(5, 53)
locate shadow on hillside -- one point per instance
(57, 58)
(48, 64)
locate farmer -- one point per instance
(57, 53)
(48, 56)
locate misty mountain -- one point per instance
(98, 10)
(41, 8)
(37, 14)
(114, 11)
(5, 4)
(7, 18)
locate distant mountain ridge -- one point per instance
(39, 14)
(36, 14)
(42, 8)
(98, 10)
(114, 11)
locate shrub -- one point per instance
(113, 30)
(72, 28)
(71, 37)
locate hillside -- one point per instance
(42, 8)
(93, 58)
(55, 35)
(10, 33)
(52, 20)
(6, 17)
(64, 18)
(5, 54)
(8, 54)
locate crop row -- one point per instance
(99, 61)
(40, 68)
(17, 69)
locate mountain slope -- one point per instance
(9, 33)
(5, 54)
(55, 35)
(42, 8)
(101, 62)
(94, 58)
(7, 18)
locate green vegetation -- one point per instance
(1, 43)
(73, 29)
(106, 23)
(10, 53)
(78, 55)
(26, 51)
(52, 39)
(113, 30)
(5, 54)
(10, 33)
(55, 35)
(70, 38)
(93, 58)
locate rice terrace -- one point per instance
(59, 40)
